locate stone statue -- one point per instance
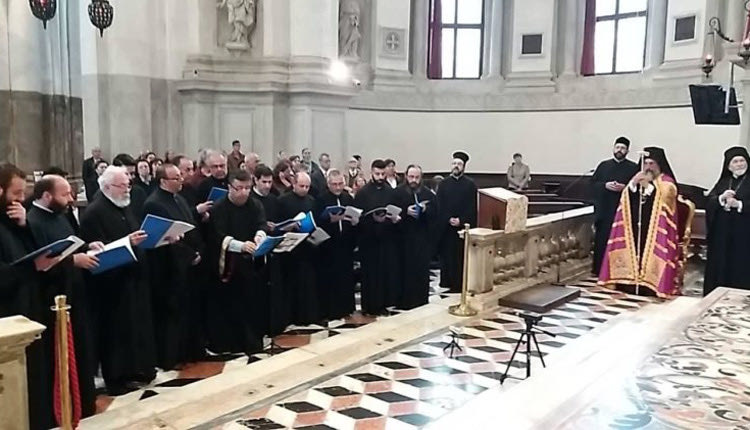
(349, 35)
(241, 14)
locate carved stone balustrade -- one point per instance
(552, 248)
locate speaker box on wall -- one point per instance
(710, 103)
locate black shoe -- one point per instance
(121, 389)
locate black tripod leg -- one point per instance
(528, 354)
(515, 350)
(541, 357)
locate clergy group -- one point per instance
(206, 292)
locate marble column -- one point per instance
(734, 17)
(16, 333)
(418, 46)
(569, 37)
(40, 110)
(493, 17)
(656, 33)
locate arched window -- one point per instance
(456, 33)
(620, 36)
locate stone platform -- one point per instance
(679, 365)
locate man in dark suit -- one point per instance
(88, 173)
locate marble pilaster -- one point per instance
(16, 333)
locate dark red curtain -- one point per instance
(589, 27)
(435, 49)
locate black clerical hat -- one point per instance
(658, 155)
(624, 140)
(461, 155)
(735, 151)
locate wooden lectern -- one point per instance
(499, 209)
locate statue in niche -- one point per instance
(241, 15)
(349, 35)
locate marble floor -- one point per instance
(415, 386)
(214, 364)
(699, 379)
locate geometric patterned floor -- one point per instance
(418, 384)
(697, 380)
(293, 337)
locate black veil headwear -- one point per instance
(657, 154)
(725, 172)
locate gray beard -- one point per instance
(739, 173)
(120, 203)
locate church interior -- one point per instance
(531, 233)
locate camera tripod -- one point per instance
(529, 334)
(453, 345)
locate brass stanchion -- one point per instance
(66, 408)
(463, 309)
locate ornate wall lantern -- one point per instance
(100, 14)
(43, 9)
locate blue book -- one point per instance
(62, 248)
(115, 254)
(267, 246)
(332, 210)
(304, 221)
(159, 229)
(216, 194)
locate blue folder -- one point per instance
(116, 254)
(267, 246)
(332, 210)
(216, 194)
(306, 224)
(157, 227)
(55, 249)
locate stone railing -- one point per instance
(16, 333)
(552, 248)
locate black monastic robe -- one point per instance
(24, 291)
(298, 266)
(378, 250)
(176, 297)
(46, 228)
(278, 311)
(236, 319)
(335, 259)
(457, 198)
(728, 237)
(121, 299)
(606, 202)
(416, 245)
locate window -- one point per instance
(620, 36)
(531, 44)
(684, 28)
(457, 28)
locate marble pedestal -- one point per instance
(16, 333)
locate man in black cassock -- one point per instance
(378, 244)
(217, 165)
(173, 272)
(298, 266)
(457, 205)
(336, 255)
(234, 323)
(121, 297)
(26, 290)
(278, 311)
(728, 225)
(419, 205)
(137, 195)
(608, 181)
(88, 173)
(48, 223)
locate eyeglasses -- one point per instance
(123, 186)
(248, 188)
(179, 178)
